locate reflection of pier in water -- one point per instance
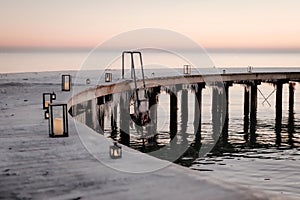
(110, 115)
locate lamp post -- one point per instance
(58, 120)
(66, 82)
(186, 69)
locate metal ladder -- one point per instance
(140, 98)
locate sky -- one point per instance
(219, 24)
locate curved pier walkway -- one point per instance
(34, 166)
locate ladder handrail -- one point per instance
(133, 74)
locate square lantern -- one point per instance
(58, 120)
(47, 99)
(186, 69)
(108, 77)
(46, 114)
(66, 82)
(249, 69)
(115, 151)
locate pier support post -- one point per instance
(153, 100)
(215, 113)
(253, 112)
(246, 109)
(218, 110)
(198, 112)
(184, 116)
(173, 114)
(124, 119)
(225, 112)
(94, 115)
(278, 118)
(88, 114)
(100, 114)
(184, 110)
(113, 120)
(291, 126)
(101, 118)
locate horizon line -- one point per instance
(5, 49)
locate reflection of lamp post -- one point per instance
(115, 151)
(47, 99)
(58, 120)
(108, 77)
(66, 82)
(186, 69)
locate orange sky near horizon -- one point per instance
(213, 24)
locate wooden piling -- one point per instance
(278, 117)
(184, 109)
(216, 114)
(291, 126)
(253, 110)
(198, 112)
(113, 120)
(153, 100)
(88, 114)
(124, 119)
(225, 111)
(246, 109)
(173, 114)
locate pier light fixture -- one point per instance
(115, 151)
(186, 69)
(47, 99)
(58, 120)
(108, 77)
(66, 82)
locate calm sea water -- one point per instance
(58, 61)
(267, 164)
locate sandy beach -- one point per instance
(34, 166)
